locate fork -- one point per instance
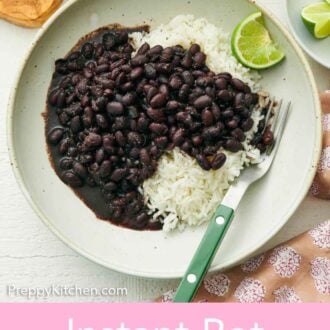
(224, 214)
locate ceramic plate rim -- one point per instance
(121, 268)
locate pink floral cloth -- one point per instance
(293, 272)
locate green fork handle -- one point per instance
(205, 253)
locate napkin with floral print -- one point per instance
(293, 272)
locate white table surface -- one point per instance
(31, 256)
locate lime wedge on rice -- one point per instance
(252, 44)
(316, 17)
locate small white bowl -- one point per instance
(318, 49)
(266, 207)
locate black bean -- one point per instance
(109, 40)
(66, 163)
(239, 99)
(238, 134)
(121, 36)
(210, 133)
(158, 100)
(61, 66)
(102, 68)
(143, 49)
(175, 82)
(55, 135)
(135, 139)
(178, 136)
(225, 75)
(158, 129)
(156, 50)
(216, 112)
(118, 174)
(172, 106)
(233, 145)
(121, 79)
(194, 48)
(187, 61)
(203, 162)
(202, 102)
(101, 121)
(167, 54)
(63, 146)
(128, 98)
(99, 155)
(86, 158)
(136, 73)
(151, 92)
(238, 84)
(210, 150)
(154, 152)
(249, 99)
(199, 59)
(105, 169)
(87, 50)
(183, 92)
(197, 140)
(150, 71)
(247, 124)
(188, 78)
(80, 170)
(61, 99)
(207, 117)
(110, 186)
(144, 157)
(52, 98)
(101, 102)
(232, 123)
(82, 87)
(246, 113)
(120, 138)
(225, 95)
(221, 83)
(186, 146)
(75, 124)
(120, 123)
(115, 108)
(72, 179)
(139, 60)
(143, 124)
(218, 161)
(268, 137)
(92, 140)
(156, 115)
(87, 120)
(133, 112)
(161, 141)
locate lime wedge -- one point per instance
(252, 44)
(316, 17)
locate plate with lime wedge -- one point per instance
(310, 23)
(237, 37)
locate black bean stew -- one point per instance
(111, 115)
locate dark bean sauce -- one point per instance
(110, 116)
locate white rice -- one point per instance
(181, 191)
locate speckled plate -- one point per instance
(265, 208)
(318, 49)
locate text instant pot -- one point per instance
(206, 324)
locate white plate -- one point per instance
(318, 49)
(266, 207)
